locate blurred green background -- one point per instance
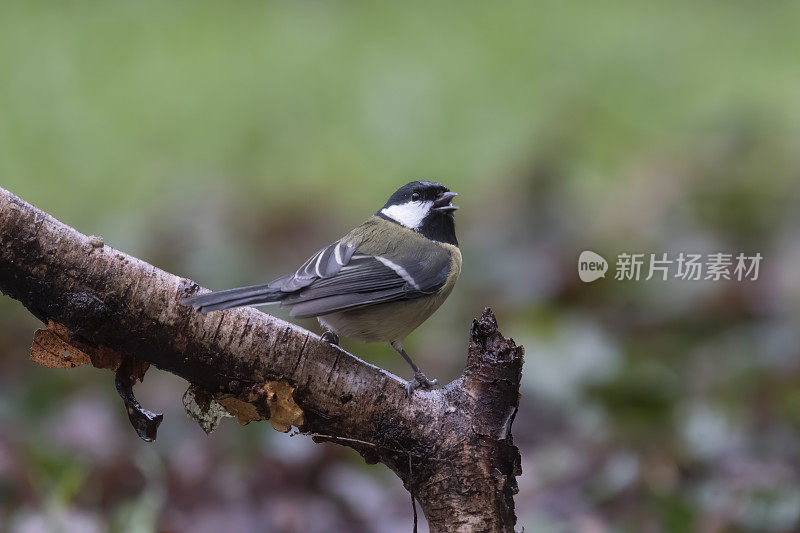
(226, 142)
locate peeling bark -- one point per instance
(452, 447)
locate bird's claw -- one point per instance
(420, 382)
(330, 337)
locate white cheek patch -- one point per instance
(409, 214)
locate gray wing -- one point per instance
(371, 279)
(320, 266)
(323, 264)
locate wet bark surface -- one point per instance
(452, 447)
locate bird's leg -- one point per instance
(330, 337)
(419, 381)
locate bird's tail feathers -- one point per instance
(241, 296)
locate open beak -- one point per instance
(443, 202)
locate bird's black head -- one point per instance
(425, 207)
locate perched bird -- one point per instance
(375, 284)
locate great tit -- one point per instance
(375, 284)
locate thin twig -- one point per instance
(332, 437)
(414, 506)
(413, 501)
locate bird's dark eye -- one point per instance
(415, 196)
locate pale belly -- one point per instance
(383, 322)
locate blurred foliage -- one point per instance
(227, 142)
